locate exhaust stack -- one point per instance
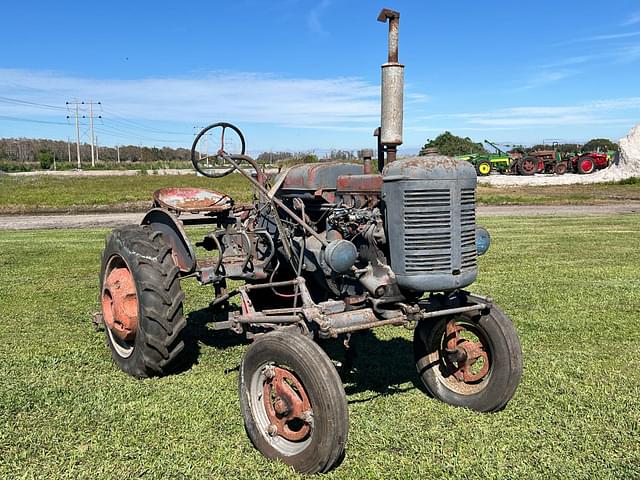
(390, 135)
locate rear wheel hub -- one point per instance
(120, 303)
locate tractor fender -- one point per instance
(165, 222)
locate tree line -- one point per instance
(27, 154)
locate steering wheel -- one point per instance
(197, 158)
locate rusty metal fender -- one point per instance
(182, 251)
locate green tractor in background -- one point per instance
(485, 163)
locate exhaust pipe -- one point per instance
(390, 135)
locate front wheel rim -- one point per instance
(465, 360)
(281, 408)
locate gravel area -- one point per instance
(110, 220)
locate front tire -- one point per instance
(470, 360)
(141, 301)
(483, 168)
(560, 168)
(293, 402)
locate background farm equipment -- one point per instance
(326, 250)
(485, 163)
(588, 162)
(541, 161)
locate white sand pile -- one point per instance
(627, 166)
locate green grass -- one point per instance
(571, 286)
(46, 194)
(53, 194)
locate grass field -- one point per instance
(60, 194)
(571, 286)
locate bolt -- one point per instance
(272, 430)
(269, 372)
(307, 417)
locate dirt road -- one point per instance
(110, 220)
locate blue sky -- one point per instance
(304, 74)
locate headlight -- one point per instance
(483, 240)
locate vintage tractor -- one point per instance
(325, 251)
(588, 162)
(500, 161)
(542, 161)
(485, 163)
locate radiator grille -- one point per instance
(427, 223)
(428, 240)
(468, 228)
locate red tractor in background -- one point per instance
(588, 162)
(552, 160)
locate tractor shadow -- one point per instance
(376, 366)
(200, 332)
(380, 367)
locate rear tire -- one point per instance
(156, 341)
(527, 165)
(309, 443)
(441, 376)
(586, 165)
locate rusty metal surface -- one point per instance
(318, 176)
(400, 320)
(182, 252)
(467, 354)
(392, 109)
(392, 88)
(120, 303)
(371, 183)
(441, 166)
(287, 404)
(394, 23)
(188, 199)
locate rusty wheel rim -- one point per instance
(529, 165)
(465, 357)
(119, 300)
(282, 408)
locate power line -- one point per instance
(17, 119)
(30, 104)
(139, 125)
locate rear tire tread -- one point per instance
(160, 299)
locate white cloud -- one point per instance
(313, 19)
(591, 113)
(599, 38)
(545, 77)
(632, 20)
(245, 97)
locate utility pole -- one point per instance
(206, 143)
(118, 152)
(77, 105)
(54, 161)
(69, 148)
(93, 157)
(91, 103)
(97, 150)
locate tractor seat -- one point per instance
(192, 200)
